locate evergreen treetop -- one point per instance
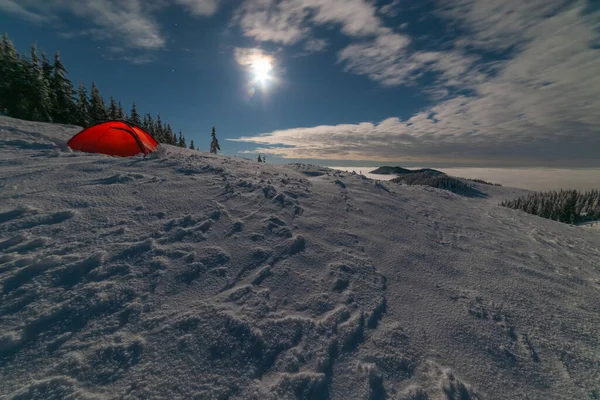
(98, 111)
(63, 109)
(214, 144)
(113, 110)
(134, 117)
(120, 112)
(83, 107)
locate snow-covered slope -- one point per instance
(189, 275)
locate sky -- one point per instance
(454, 83)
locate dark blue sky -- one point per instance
(449, 82)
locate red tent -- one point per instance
(115, 138)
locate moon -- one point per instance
(261, 70)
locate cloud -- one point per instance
(316, 45)
(538, 107)
(247, 57)
(390, 9)
(290, 21)
(12, 7)
(383, 59)
(130, 24)
(200, 7)
(125, 20)
(500, 25)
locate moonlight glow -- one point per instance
(261, 70)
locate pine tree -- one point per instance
(39, 89)
(259, 159)
(98, 112)
(63, 109)
(134, 117)
(113, 112)
(158, 131)
(171, 134)
(47, 70)
(8, 57)
(120, 113)
(22, 89)
(192, 147)
(83, 107)
(149, 127)
(13, 76)
(214, 144)
(47, 67)
(181, 141)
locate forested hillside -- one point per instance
(35, 89)
(569, 206)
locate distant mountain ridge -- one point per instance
(387, 170)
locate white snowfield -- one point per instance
(185, 275)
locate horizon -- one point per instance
(534, 179)
(457, 84)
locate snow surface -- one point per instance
(190, 275)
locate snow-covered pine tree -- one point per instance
(63, 109)
(134, 117)
(149, 127)
(98, 112)
(14, 72)
(171, 134)
(112, 109)
(214, 144)
(39, 89)
(120, 113)
(181, 140)
(83, 107)
(159, 132)
(192, 147)
(8, 56)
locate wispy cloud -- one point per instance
(500, 25)
(391, 9)
(316, 45)
(130, 24)
(20, 10)
(247, 57)
(127, 21)
(200, 7)
(290, 21)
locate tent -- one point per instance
(115, 138)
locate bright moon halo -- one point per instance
(261, 70)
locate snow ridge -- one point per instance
(190, 275)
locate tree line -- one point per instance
(436, 180)
(36, 89)
(568, 206)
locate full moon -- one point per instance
(261, 70)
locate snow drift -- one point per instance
(190, 275)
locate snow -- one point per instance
(190, 275)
